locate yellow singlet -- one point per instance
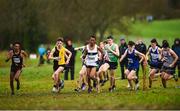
(62, 53)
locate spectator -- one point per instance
(176, 49)
(71, 64)
(122, 48)
(42, 52)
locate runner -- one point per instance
(104, 76)
(17, 56)
(91, 56)
(82, 82)
(111, 59)
(61, 57)
(155, 64)
(133, 63)
(169, 59)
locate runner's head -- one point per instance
(110, 40)
(153, 43)
(122, 41)
(165, 44)
(17, 46)
(101, 45)
(177, 41)
(105, 42)
(92, 40)
(131, 45)
(59, 42)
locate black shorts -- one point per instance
(133, 68)
(15, 68)
(113, 65)
(55, 67)
(168, 70)
(155, 66)
(91, 66)
(100, 63)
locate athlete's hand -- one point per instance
(163, 59)
(171, 65)
(57, 58)
(67, 62)
(109, 49)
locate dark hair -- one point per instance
(154, 41)
(176, 39)
(110, 37)
(16, 43)
(105, 42)
(60, 39)
(93, 36)
(131, 43)
(165, 44)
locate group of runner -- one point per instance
(98, 59)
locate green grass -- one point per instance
(160, 29)
(36, 85)
(164, 29)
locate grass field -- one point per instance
(159, 29)
(36, 85)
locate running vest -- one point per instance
(61, 54)
(17, 60)
(92, 56)
(111, 56)
(154, 55)
(168, 58)
(133, 61)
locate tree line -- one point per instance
(39, 21)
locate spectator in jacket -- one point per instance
(122, 48)
(70, 67)
(176, 49)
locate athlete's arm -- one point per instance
(84, 53)
(116, 52)
(101, 52)
(24, 53)
(123, 56)
(162, 57)
(147, 54)
(69, 55)
(160, 52)
(140, 55)
(79, 48)
(51, 55)
(175, 56)
(9, 55)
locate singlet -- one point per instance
(17, 60)
(111, 56)
(168, 58)
(154, 55)
(92, 56)
(61, 54)
(133, 61)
